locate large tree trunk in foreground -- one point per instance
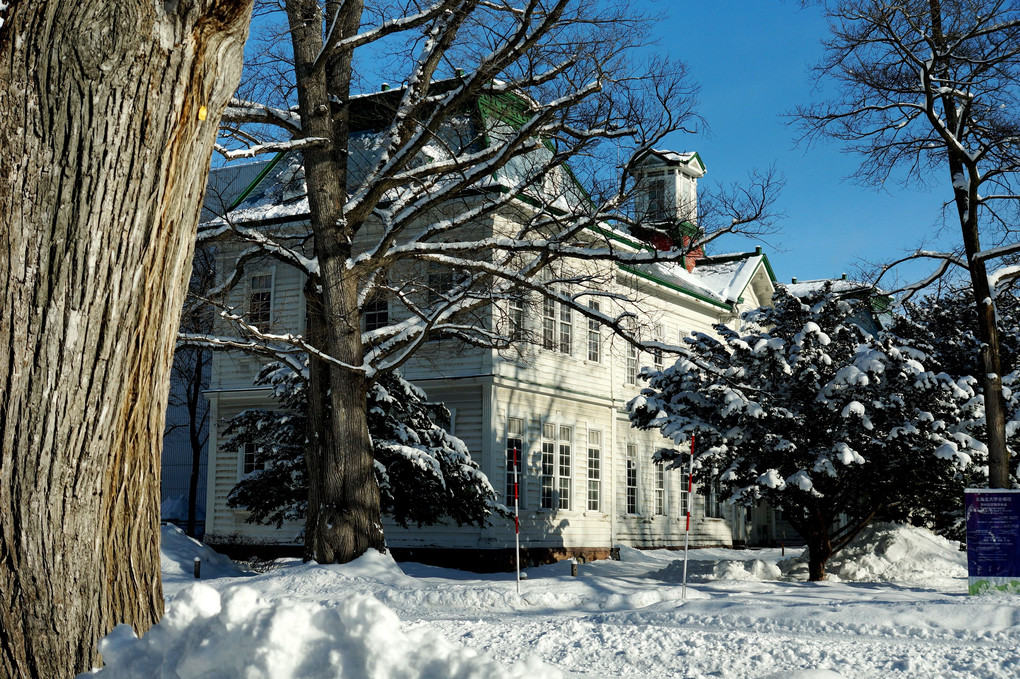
(108, 113)
(343, 519)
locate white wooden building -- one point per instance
(588, 483)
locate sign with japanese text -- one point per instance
(993, 539)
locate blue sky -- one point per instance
(752, 59)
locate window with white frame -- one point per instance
(557, 326)
(249, 460)
(564, 468)
(660, 489)
(514, 456)
(548, 323)
(556, 466)
(594, 335)
(260, 300)
(713, 507)
(594, 470)
(685, 493)
(631, 374)
(657, 353)
(566, 328)
(516, 311)
(632, 479)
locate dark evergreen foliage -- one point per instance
(811, 413)
(425, 474)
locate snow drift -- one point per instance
(358, 637)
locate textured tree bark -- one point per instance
(343, 519)
(108, 113)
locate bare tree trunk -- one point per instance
(108, 113)
(198, 420)
(966, 197)
(344, 519)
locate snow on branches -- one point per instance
(815, 415)
(425, 474)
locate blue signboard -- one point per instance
(993, 539)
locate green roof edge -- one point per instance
(255, 182)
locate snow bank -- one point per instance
(237, 634)
(885, 552)
(177, 553)
(727, 569)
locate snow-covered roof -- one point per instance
(228, 183)
(721, 279)
(839, 285)
(689, 160)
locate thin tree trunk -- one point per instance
(198, 418)
(108, 112)
(344, 519)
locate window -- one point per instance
(557, 326)
(548, 323)
(556, 477)
(594, 336)
(514, 454)
(249, 461)
(566, 329)
(713, 508)
(564, 470)
(260, 301)
(657, 198)
(594, 470)
(660, 489)
(631, 478)
(685, 494)
(516, 309)
(632, 364)
(376, 313)
(441, 282)
(657, 353)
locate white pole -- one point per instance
(517, 523)
(690, 497)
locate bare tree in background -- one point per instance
(108, 115)
(932, 87)
(190, 376)
(405, 226)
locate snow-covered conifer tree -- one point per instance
(807, 411)
(425, 474)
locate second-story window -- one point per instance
(260, 301)
(566, 329)
(594, 336)
(548, 323)
(376, 313)
(557, 326)
(657, 353)
(631, 368)
(516, 309)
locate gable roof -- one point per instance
(689, 160)
(720, 280)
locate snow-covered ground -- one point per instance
(895, 607)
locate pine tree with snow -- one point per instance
(811, 413)
(425, 474)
